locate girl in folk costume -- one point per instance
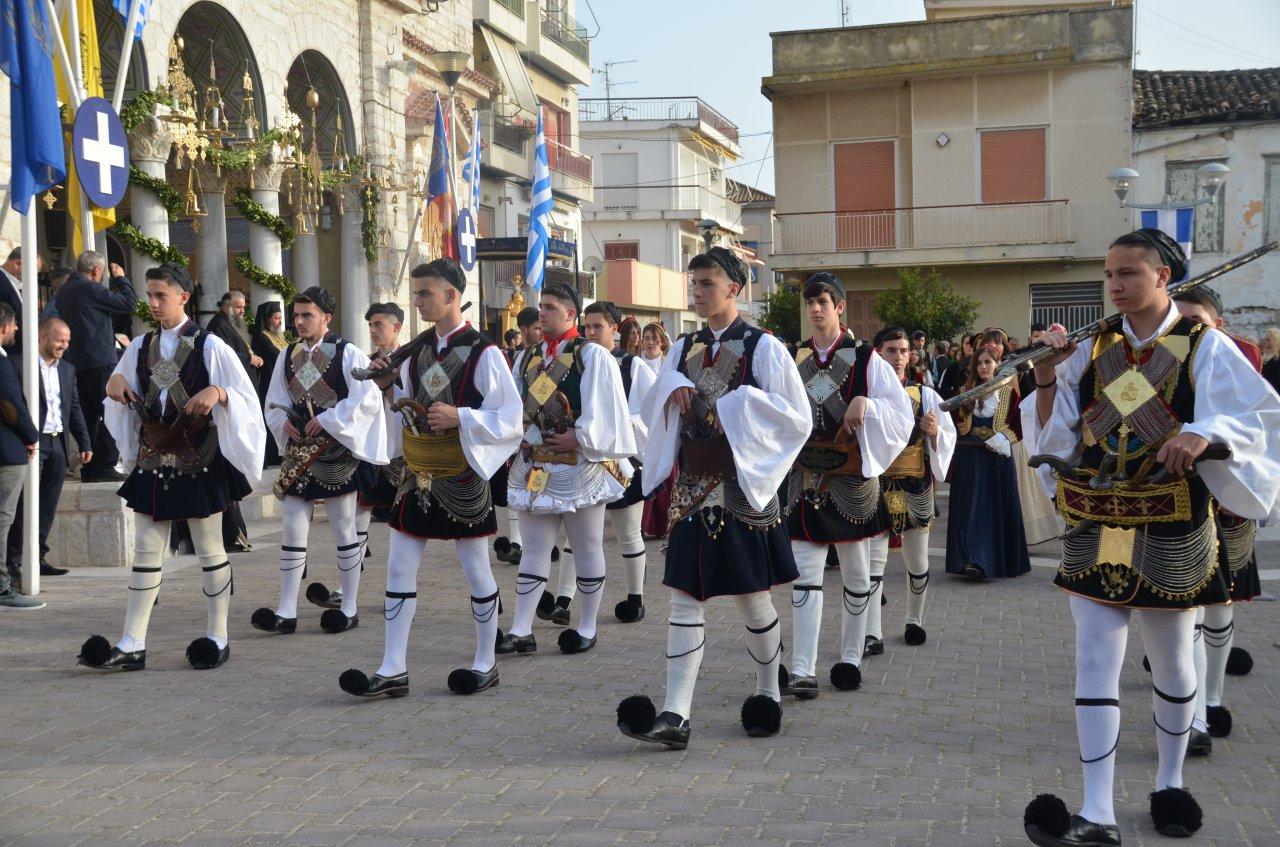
(654, 348)
(861, 421)
(907, 488)
(578, 437)
(1131, 415)
(730, 408)
(461, 421)
(984, 526)
(267, 342)
(332, 432)
(185, 416)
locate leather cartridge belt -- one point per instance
(910, 463)
(707, 457)
(1160, 503)
(434, 456)
(175, 446)
(841, 457)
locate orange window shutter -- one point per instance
(864, 176)
(1013, 166)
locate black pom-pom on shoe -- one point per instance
(630, 610)
(636, 715)
(571, 641)
(546, 605)
(268, 621)
(914, 635)
(205, 654)
(321, 596)
(761, 716)
(502, 545)
(1046, 815)
(354, 682)
(95, 650)
(1219, 720)
(1175, 813)
(1239, 662)
(469, 681)
(334, 621)
(846, 676)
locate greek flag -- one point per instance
(1178, 224)
(471, 167)
(539, 211)
(122, 6)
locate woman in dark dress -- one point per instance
(267, 341)
(985, 537)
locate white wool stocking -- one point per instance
(1167, 636)
(473, 555)
(568, 572)
(295, 527)
(686, 638)
(150, 539)
(206, 537)
(1101, 635)
(1200, 721)
(404, 555)
(535, 565)
(915, 554)
(764, 640)
(1219, 633)
(626, 527)
(806, 605)
(857, 598)
(342, 522)
(513, 526)
(879, 553)
(585, 531)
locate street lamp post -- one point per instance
(1211, 178)
(708, 227)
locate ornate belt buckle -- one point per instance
(538, 478)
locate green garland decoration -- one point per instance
(141, 106)
(172, 200)
(370, 197)
(255, 213)
(245, 156)
(143, 312)
(276, 282)
(133, 238)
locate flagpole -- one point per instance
(126, 53)
(31, 388)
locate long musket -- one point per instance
(1013, 366)
(398, 357)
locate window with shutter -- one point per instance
(622, 250)
(1271, 197)
(865, 195)
(1072, 304)
(485, 221)
(1180, 185)
(1013, 165)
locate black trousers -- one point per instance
(53, 471)
(92, 383)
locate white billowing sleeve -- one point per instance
(242, 434)
(121, 421)
(358, 422)
(400, 389)
(603, 427)
(941, 453)
(278, 393)
(491, 433)
(889, 421)
(663, 421)
(643, 379)
(1060, 434)
(766, 426)
(1235, 406)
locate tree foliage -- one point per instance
(781, 314)
(924, 300)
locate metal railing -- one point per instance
(656, 109)
(568, 161)
(566, 32)
(509, 136)
(515, 6)
(973, 225)
(657, 198)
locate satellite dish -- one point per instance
(593, 264)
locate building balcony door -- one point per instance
(865, 183)
(860, 314)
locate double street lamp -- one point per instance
(1210, 177)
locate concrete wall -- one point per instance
(1250, 295)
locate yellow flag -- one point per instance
(91, 62)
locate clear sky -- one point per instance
(721, 51)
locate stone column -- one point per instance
(149, 144)
(211, 239)
(306, 260)
(264, 245)
(354, 274)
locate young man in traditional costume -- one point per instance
(332, 433)
(573, 461)
(1139, 407)
(461, 420)
(861, 421)
(729, 406)
(508, 547)
(186, 418)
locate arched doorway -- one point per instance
(210, 32)
(110, 40)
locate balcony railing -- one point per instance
(568, 161)
(656, 109)
(516, 6)
(977, 225)
(566, 32)
(509, 136)
(664, 198)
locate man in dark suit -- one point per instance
(18, 440)
(11, 288)
(87, 306)
(61, 418)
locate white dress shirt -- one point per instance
(52, 397)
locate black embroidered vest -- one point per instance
(316, 377)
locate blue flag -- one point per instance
(122, 6)
(26, 57)
(540, 207)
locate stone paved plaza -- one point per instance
(944, 744)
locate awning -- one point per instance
(515, 82)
